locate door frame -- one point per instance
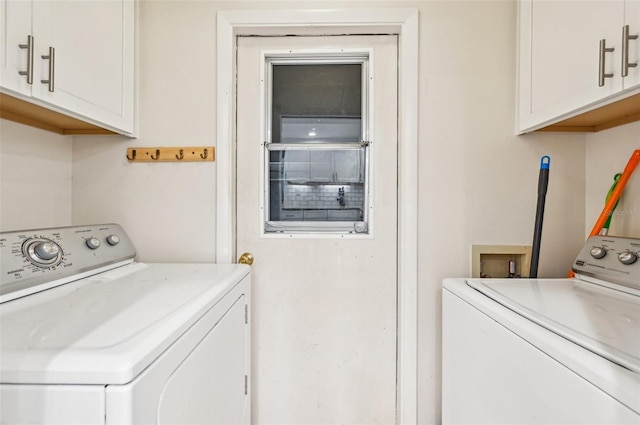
(401, 21)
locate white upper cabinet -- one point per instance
(324, 166)
(321, 166)
(296, 166)
(16, 43)
(631, 37)
(348, 166)
(81, 58)
(570, 58)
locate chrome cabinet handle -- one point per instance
(29, 71)
(601, 73)
(52, 66)
(625, 50)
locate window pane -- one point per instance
(320, 129)
(309, 183)
(317, 90)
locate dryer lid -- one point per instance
(107, 328)
(602, 320)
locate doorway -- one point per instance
(403, 22)
(324, 291)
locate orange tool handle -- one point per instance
(615, 195)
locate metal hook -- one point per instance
(133, 155)
(181, 156)
(206, 154)
(157, 155)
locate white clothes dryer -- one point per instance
(88, 336)
(546, 351)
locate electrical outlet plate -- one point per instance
(492, 261)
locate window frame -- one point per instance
(317, 229)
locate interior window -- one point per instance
(317, 151)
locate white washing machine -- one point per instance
(89, 336)
(546, 351)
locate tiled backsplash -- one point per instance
(322, 196)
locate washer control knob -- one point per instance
(627, 257)
(93, 243)
(113, 240)
(46, 250)
(598, 252)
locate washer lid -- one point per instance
(107, 328)
(602, 320)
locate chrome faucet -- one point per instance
(340, 197)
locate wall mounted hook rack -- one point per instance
(171, 154)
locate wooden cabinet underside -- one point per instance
(614, 114)
(17, 110)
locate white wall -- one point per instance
(608, 153)
(477, 181)
(168, 209)
(35, 178)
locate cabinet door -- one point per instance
(347, 165)
(632, 18)
(296, 166)
(15, 24)
(559, 56)
(321, 166)
(315, 215)
(291, 215)
(94, 58)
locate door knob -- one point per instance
(246, 258)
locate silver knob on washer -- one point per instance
(113, 240)
(93, 243)
(598, 252)
(46, 250)
(627, 257)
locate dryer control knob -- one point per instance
(113, 239)
(93, 243)
(598, 252)
(627, 257)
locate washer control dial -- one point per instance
(627, 257)
(113, 240)
(46, 250)
(42, 252)
(93, 243)
(598, 252)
